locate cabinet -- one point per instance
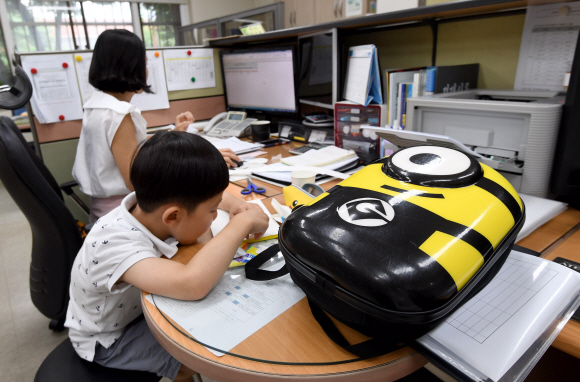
(298, 13)
(328, 10)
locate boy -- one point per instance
(179, 182)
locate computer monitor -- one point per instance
(260, 80)
(318, 57)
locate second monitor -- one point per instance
(260, 80)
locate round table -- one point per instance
(294, 336)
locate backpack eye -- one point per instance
(433, 166)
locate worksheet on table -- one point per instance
(189, 69)
(234, 310)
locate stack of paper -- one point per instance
(279, 173)
(223, 219)
(523, 308)
(322, 157)
(237, 146)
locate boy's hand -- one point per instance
(228, 155)
(183, 121)
(257, 220)
(239, 208)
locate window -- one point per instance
(41, 25)
(5, 74)
(101, 16)
(160, 24)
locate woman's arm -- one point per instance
(123, 147)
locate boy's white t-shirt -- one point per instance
(99, 310)
(95, 168)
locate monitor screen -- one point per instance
(260, 80)
(317, 56)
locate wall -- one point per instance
(201, 10)
(494, 43)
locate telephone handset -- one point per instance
(228, 124)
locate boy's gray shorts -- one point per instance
(137, 349)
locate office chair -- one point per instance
(55, 233)
(64, 365)
(56, 239)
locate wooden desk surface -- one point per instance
(295, 336)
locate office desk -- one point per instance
(295, 336)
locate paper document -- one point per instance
(321, 157)
(159, 99)
(538, 212)
(234, 310)
(223, 219)
(82, 65)
(548, 45)
(490, 332)
(56, 95)
(237, 146)
(281, 172)
(189, 69)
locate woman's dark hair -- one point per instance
(119, 63)
(177, 167)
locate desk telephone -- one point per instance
(228, 124)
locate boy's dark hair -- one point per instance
(177, 167)
(119, 63)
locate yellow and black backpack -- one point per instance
(400, 245)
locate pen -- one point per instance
(275, 144)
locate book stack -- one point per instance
(401, 84)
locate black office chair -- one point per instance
(56, 239)
(63, 365)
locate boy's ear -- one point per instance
(171, 215)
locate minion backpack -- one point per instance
(398, 246)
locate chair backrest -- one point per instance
(35, 158)
(55, 235)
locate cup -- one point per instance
(260, 131)
(301, 177)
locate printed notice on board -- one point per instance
(56, 94)
(189, 69)
(83, 65)
(158, 99)
(144, 101)
(548, 45)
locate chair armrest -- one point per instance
(68, 189)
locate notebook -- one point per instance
(322, 157)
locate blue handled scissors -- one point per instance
(252, 188)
